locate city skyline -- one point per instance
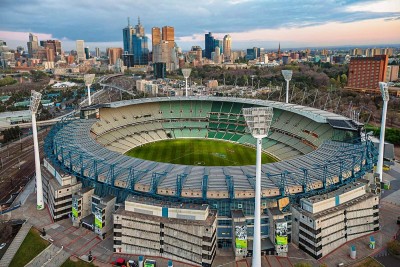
(310, 23)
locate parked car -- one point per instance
(3, 245)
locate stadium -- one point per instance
(314, 152)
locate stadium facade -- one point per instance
(317, 152)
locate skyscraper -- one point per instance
(155, 40)
(220, 44)
(80, 49)
(127, 34)
(139, 29)
(87, 52)
(97, 52)
(33, 44)
(168, 34)
(54, 46)
(141, 50)
(114, 53)
(227, 46)
(209, 45)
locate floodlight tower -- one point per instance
(385, 96)
(35, 101)
(287, 74)
(258, 121)
(186, 74)
(88, 82)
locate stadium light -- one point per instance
(385, 96)
(186, 74)
(287, 74)
(34, 105)
(88, 78)
(258, 121)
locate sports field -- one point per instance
(198, 152)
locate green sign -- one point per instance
(74, 212)
(241, 243)
(281, 240)
(98, 223)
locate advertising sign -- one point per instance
(281, 240)
(98, 221)
(74, 208)
(241, 236)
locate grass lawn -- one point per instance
(198, 152)
(32, 245)
(76, 263)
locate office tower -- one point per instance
(227, 46)
(217, 55)
(33, 44)
(141, 50)
(80, 49)
(367, 72)
(97, 52)
(54, 46)
(3, 46)
(139, 29)
(168, 35)
(220, 44)
(161, 52)
(387, 51)
(209, 45)
(114, 53)
(87, 53)
(155, 40)
(127, 34)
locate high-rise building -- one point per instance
(97, 53)
(220, 45)
(54, 46)
(80, 49)
(33, 44)
(367, 72)
(161, 52)
(168, 34)
(114, 53)
(141, 50)
(357, 52)
(139, 29)
(209, 45)
(227, 47)
(87, 52)
(127, 34)
(155, 40)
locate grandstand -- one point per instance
(312, 147)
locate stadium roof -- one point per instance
(320, 116)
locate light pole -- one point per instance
(88, 82)
(186, 74)
(258, 120)
(35, 101)
(287, 74)
(385, 96)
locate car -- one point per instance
(3, 245)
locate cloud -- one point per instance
(102, 21)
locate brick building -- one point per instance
(367, 72)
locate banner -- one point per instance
(74, 208)
(241, 236)
(281, 240)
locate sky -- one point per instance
(260, 23)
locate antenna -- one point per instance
(129, 23)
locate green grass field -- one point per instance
(32, 245)
(198, 152)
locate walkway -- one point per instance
(51, 256)
(15, 244)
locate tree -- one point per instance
(5, 231)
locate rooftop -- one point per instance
(145, 217)
(341, 190)
(169, 204)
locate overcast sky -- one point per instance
(261, 23)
